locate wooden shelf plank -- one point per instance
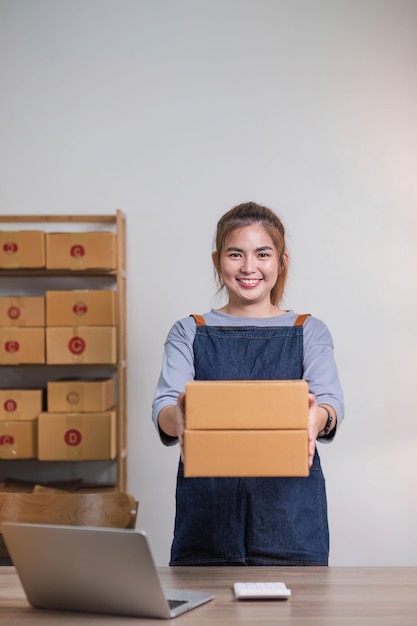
(78, 219)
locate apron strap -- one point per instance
(199, 319)
(301, 319)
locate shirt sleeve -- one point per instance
(177, 368)
(320, 370)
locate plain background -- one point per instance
(175, 111)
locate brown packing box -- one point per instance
(81, 308)
(245, 453)
(81, 251)
(80, 396)
(19, 346)
(230, 404)
(81, 344)
(18, 440)
(22, 249)
(77, 436)
(22, 311)
(20, 404)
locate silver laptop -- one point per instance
(96, 570)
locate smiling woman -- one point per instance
(263, 520)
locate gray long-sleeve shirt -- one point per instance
(320, 370)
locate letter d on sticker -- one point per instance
(72, 437)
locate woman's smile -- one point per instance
(249, 282)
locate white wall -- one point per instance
(176, 111)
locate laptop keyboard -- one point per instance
(174, 603)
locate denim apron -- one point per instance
(250, 521)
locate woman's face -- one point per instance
(249, 266)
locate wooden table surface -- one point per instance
(321, 596)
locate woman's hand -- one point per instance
(171, 420)
(317, 419)
(314, 426)
(180, 421)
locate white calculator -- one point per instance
(261, 591)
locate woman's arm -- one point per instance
(177, 369)
(320, 371)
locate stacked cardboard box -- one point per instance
(22, 330)
(80, 396)
(64, 327)
(22, 341)
(81, 327)
(19, 411)
(80, 424)
(81, 251)
(246, 428)
(22, 249)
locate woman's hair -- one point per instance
(245, 215)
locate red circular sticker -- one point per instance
(11, 346)
(80, 308)
(6, 440)
(10, 247)
(76, 345)
(77, 250)
(72, 437)
(13, 312)
(10, 405)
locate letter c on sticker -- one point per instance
(77, 251)
(76, 345)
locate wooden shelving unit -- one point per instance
(114, 278)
